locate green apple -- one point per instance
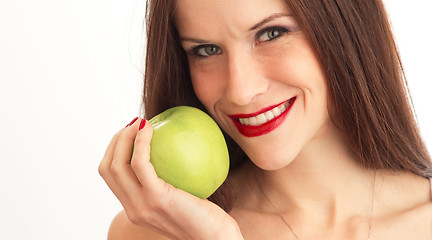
(188, 150)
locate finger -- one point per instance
(105, 164)
(140, 162)
(120, 167)
(105, 170)
(117, 190)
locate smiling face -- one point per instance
(256, 73)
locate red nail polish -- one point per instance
(132, 122)
(142, 124)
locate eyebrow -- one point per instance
(254, 27)
(269, 19)
(195, 40)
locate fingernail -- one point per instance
(142, 124)
(131, 122)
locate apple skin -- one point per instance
(188, 150)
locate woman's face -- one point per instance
(256, 73)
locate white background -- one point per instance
(70, 77)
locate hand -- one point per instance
(151, 202)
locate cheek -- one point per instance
(300, 68)
(206, 86)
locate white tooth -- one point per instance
(265, 117)
(276, 112)
(246, 121)
(269, 115)
(261, 119)
(253, 121)
(282, 108)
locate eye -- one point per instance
(206, 50)
(270, 34)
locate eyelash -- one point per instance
(282, 31)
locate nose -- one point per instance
(245, 77)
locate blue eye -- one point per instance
(270, 34)
(206, 50)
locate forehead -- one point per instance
(208, 14)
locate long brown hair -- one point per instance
(368, 94)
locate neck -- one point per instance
(324, 182)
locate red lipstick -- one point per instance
(255, 131)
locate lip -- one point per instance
(267, 127)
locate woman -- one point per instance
(312, 98)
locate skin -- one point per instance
(240, 64)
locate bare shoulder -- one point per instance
(122, 229)
(404, 209)
(404, 190)
(415, 223)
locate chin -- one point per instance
(272, 155)
(271, 163)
